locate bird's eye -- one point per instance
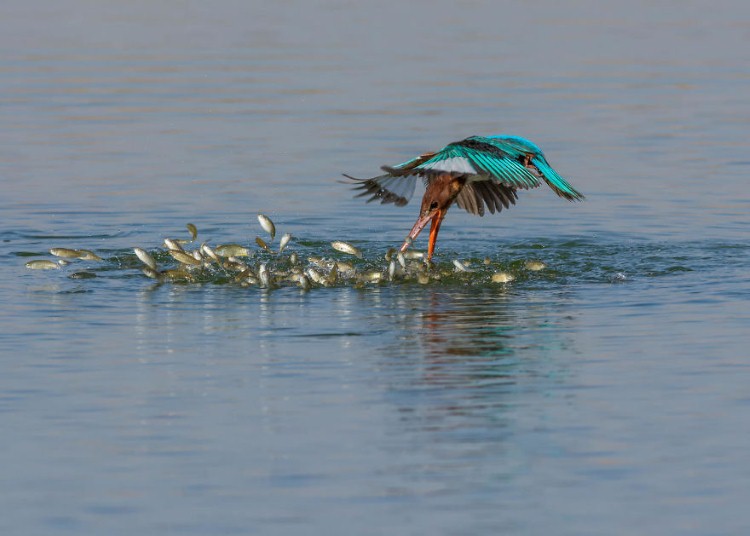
(433, 205)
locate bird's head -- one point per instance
(438, 197)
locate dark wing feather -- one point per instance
(408, 168)
(396, 186)
(396, 190)
(475, 195)
(467, 200)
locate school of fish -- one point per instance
(269, 267)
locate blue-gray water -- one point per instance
(606, 394)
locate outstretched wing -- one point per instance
(396, 186)
(511, 162)
(387, 188)
(531, 156)
(478, 159)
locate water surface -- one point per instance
(605, 394)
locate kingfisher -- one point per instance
(477, 172)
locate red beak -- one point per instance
(414, 233)
(436, 216)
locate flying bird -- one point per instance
(477, 172)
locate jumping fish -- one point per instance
(372, 276)
(87, 255)
(206, 249)
(333, 275)
(232, 250)
(172, 245)
(502, 277)
(42, 265)
(193, 231)
(304, 282)
(150, 272)
(315, 276)
(284, 241)
(401, 260)
(264, 276)
(534, 265)
(65, 253)
(460, 266)
(267, 225)
(262, 243)
(184, 258)
(145, 258)
(345, 247)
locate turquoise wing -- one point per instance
(473, 157)
(531, 155)
(511, 162)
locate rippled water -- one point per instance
(606, 393)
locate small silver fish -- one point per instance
(245, 274)
(232, 250)
(502, 277)
(251, 280)
(293, 258)
(184, 258)
(401, 260)
(65, 253)
(82, 275)
(262, 243)
(145, 258)
(372, 276)
(534, 265)
(172, 245)
(267, 225)
(320, 262)
(346, 269)
(345, 247)
(333, 275)
(210, 253)
(42, 265)
(177, 275)
(460, 267)
(391, 269)
(87, 255)
(264, 276)
(389, 254)
(193, 231)
(284, 241)
(315, 276)
(413, 254)
(150, 272)
(304, 282)
(234, 265)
